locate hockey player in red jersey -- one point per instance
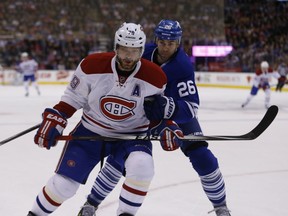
(110, 89)
(261, 81)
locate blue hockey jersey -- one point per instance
(181, 82)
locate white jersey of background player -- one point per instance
(28, 67)
(262, 79)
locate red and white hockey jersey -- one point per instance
(28, 67)
(263, 78)
(110, 107)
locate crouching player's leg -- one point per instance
(206, 165)
(112, 170)
(77, 161)
(58, 189)
(136, 163)
(105, 182)
(139, 167)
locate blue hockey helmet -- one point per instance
(168, 30)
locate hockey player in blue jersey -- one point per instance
(181, 97)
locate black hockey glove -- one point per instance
(159, 107)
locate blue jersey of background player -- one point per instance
(181, 97)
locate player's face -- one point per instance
(166, 48)
(127, 57)
(24, 58)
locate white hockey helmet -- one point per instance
(24, 54)
(264, 65)
(130, 35)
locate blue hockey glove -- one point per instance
(169, 133)
(159, 107)
(52, 126)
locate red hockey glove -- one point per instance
(52, 126)
(169, 133)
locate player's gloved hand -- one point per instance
(170, 134)
(52, 125)
(159, 107)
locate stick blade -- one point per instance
(266, 121)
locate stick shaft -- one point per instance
(19, 134)
(251, 135)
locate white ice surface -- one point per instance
(255, 172)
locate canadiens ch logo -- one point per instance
(116, 108)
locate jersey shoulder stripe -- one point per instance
(259, 71)
(100, 63)
(97, 63)
(151, 73)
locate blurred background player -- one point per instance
(28, 67)
(2, 74)
(182, 94)
(282, 80)
(261, 81)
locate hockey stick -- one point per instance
(253, 134)
(19, 134)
